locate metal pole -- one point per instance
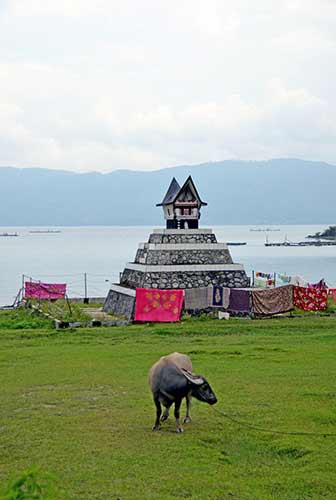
(85, 288)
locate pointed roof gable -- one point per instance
(171, 194)
(190, 183)
(175, 190)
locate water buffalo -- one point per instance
(171, 379)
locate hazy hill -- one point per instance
(273, 192)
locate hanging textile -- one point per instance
(220, 296)
(310, 299)
(239, 300)
(260, 283)
(332, 292)
(158, 305)
(319, 284)
(38, 290)
(273, 300)
(298, 280)
(268, 276)
(197, 298)
(284, 278)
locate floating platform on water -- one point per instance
(302, 244)
(264, 230)
(45, 231)
(8, 235)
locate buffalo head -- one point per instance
(200, 388)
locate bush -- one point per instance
(33, 484)
(21, 318)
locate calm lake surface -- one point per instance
(102, 253)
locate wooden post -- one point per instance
(253, 277)
(68, 303)
(85, 289)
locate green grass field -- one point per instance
(77, 404)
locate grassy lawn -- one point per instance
(77, 404)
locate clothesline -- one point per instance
(267, 301)
(263, 279)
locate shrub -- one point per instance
(33, 484)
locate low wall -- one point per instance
(89, 300)
(120, 304)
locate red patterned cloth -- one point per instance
(38, 290)
(158, 305)
(310, 299)
(332, 292)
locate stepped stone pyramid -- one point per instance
(178, 257)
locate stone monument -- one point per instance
(179, 257)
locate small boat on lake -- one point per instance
(236, 243)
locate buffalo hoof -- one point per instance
(156, 427)
(179, 429)
(186, 420)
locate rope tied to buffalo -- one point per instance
(258, 428)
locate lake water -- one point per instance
(102, 253)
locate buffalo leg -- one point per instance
(158, 414)
(165, 414)
(177, 415)
(187, 418)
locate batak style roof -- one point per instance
(175, 189)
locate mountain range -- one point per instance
(280, 191)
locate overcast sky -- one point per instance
(104, 84)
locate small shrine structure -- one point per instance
(179, 257)
(182, 205)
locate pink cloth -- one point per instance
(37, 290)
(158, 305)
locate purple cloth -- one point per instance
(240, 300)
(320, 284)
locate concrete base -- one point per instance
(171, 277)
(120, 301)
(175, 259)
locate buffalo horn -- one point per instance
(194, 379)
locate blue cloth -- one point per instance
(217, 296)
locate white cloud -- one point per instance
(102, 85)
(305, 40)
(32, 8)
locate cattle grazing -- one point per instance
(171, 379)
